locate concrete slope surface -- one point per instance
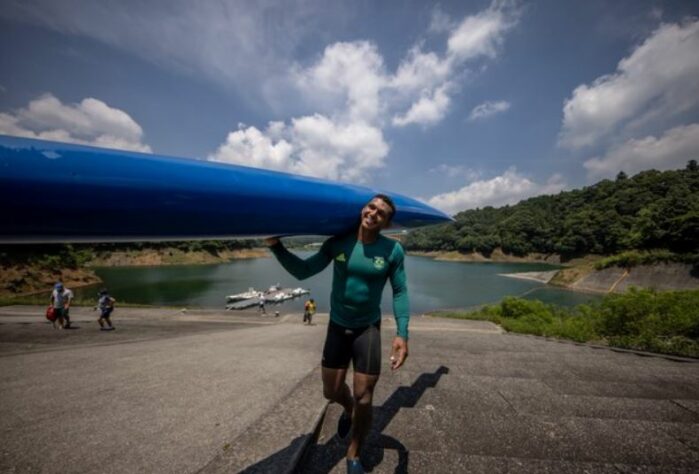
(488, 402)
(214, 392)
(168, 402)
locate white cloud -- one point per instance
(419, 71)
(355, 97)
(509, 188)
(432, 76)
(250, 147)
(659, 81)
(481, 34)
(349, 73)
(488, 109)
(90, 122)
(431, 108)
(671, 151)
(312, 146)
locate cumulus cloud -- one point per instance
(431, 75)
(671, 151)
(481, 34)
(488, 109)
(356, 96)
(345, 142)
(509, 188)
(90, 122)
(348, 75)
(429, 109)
(656, 83)
(312, 146)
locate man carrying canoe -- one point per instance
(363, 260)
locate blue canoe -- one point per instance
(58, 192)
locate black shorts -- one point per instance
(106, 312)
(360, 345)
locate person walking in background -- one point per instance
(309, 309)
(261, 303)
(363, 260)
(58, 302)
(105, 304)
(67, 300)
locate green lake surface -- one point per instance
(431, 284)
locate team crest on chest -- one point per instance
(379, 263)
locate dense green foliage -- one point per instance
(664, 322)
(651, 210)
(56, 256)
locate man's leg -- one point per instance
(335, 388)
(361, 421)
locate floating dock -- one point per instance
(271, 296)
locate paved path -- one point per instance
(221, 392)
(155, 395)
(479, 402)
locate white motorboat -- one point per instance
(251, 293)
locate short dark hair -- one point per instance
(388, 201)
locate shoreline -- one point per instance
(496, 256)
(25, 280)
(541, 277)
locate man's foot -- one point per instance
(344, 425)
(354, 466)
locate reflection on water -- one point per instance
(432, 284)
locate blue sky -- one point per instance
(462, 104)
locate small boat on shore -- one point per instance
(274, 295)
(251, 293)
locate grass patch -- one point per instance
(648, 320)
(635, 258)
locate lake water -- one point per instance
(431, 284)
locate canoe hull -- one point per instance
(58, 192)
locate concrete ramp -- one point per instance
(667, 276)
(600, 281)
(473, 402)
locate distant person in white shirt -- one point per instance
(261, 303)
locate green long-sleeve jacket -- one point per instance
(360, 272)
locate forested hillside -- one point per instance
(56, 256)
(651, 210)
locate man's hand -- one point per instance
(399, 352)
(271, 241)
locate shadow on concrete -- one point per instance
(279, 462)
(323, 458)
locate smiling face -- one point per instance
(376, 215)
